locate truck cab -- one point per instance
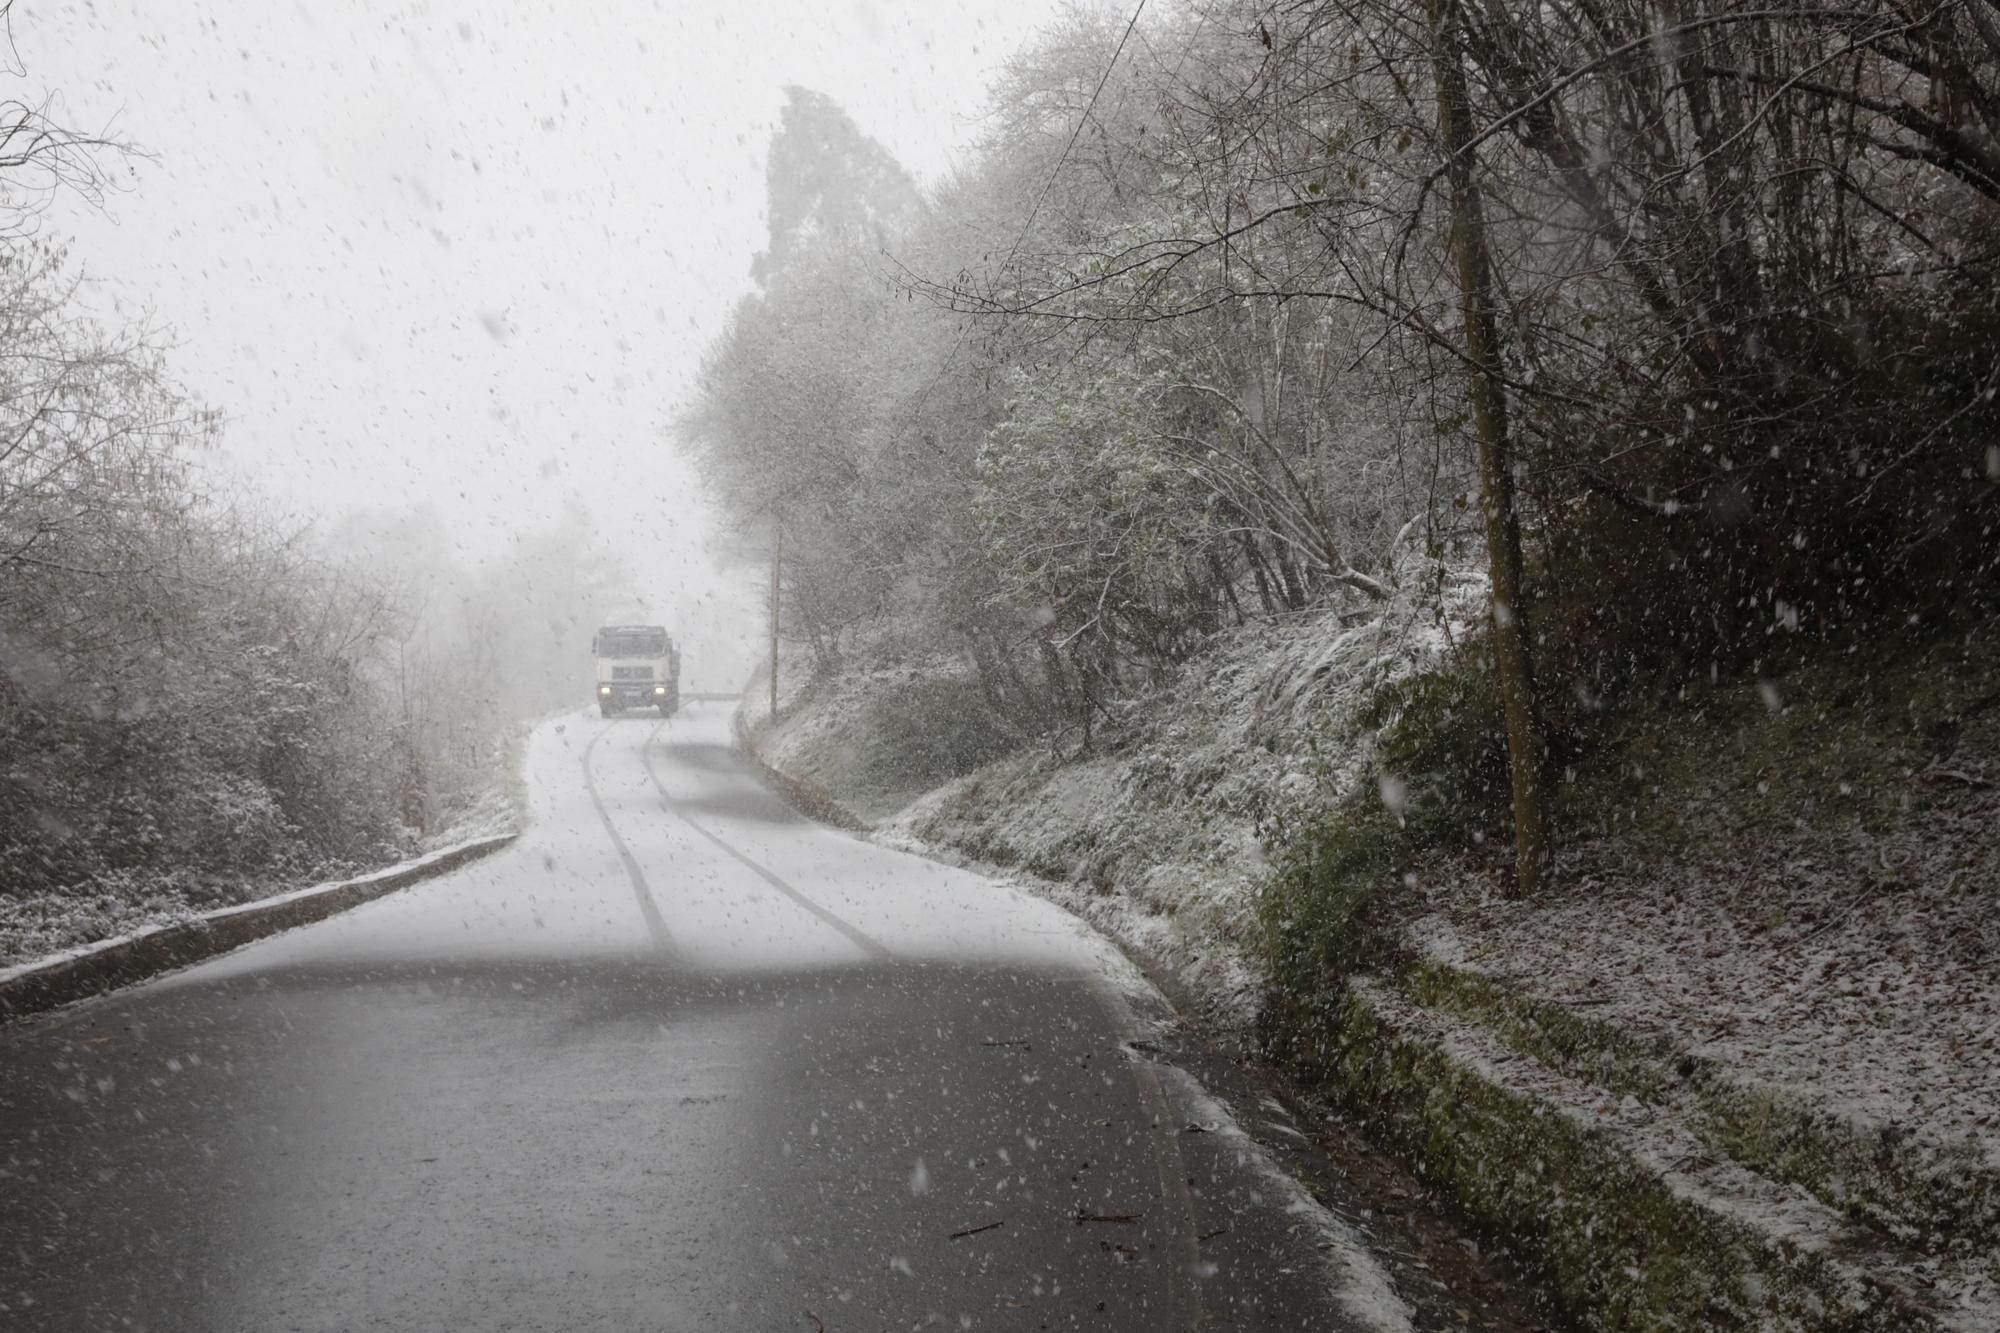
(638, 666)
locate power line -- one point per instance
(1042, 197)
(1074, 135)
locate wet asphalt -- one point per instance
(679, 1059)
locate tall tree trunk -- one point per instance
(777, 566)
(1489, 414)
(1254, 557)
(1224, 582)
(1291, 581)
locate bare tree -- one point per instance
(41, 156)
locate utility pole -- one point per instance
(777, 561)
(1477, 303)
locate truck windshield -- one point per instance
(632, 643)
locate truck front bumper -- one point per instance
(636, 694)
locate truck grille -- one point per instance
(632, 673)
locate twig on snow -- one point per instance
(1938, 773)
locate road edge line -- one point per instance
(97, 969)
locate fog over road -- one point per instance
(679, 1059)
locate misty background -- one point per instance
(456, 263)
(341, 352)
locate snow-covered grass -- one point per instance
(1829, 993)
(40, 925)
(1807, 894)
(1156, 835)
(880, 734)
(1773, 927)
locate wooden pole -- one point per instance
(1512, 660)
(777, 561)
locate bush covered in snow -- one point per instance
(194, 708)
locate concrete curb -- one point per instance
(805, 797)
(1631, 1218)
(37, 987)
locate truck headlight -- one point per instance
(603, 689)
(659, 689)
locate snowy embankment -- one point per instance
(1156, 835)
(1772, 1053)
(36, 929)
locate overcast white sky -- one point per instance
(471, 250)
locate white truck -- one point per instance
(638, 666)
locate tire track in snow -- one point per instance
(873, 948)
(656, 925)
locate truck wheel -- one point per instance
(606, 709)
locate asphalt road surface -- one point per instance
(679, 1059)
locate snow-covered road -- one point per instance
(680, 1059)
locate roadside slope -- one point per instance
(1767, 1022)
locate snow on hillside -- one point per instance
(1156, 834)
